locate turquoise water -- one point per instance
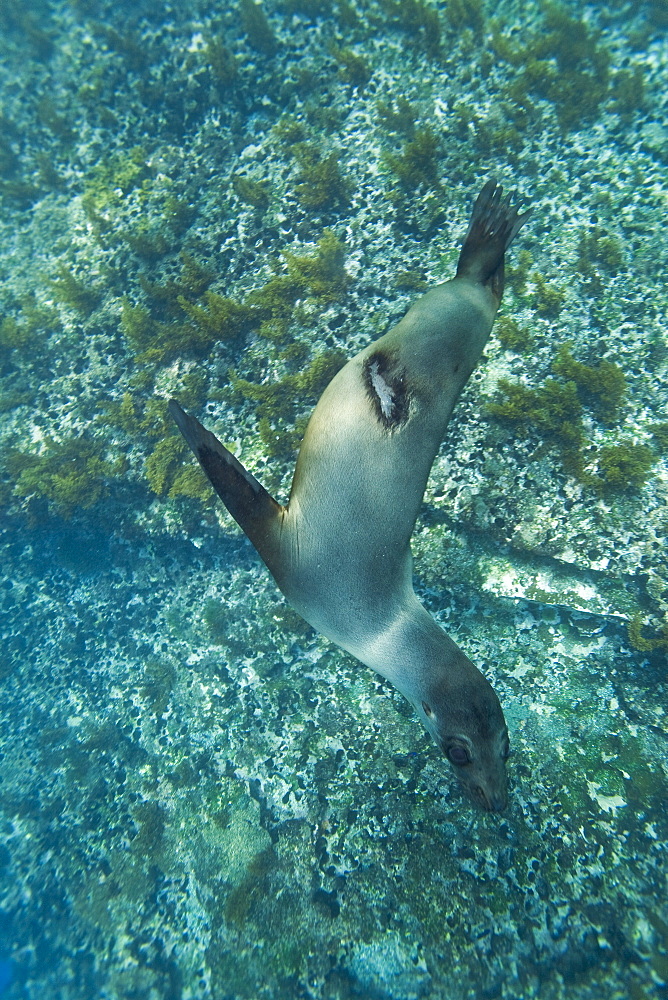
(199, 796)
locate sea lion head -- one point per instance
(466, 721)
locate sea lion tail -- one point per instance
(495, 222)
(251, 506)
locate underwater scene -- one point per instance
(221, 203)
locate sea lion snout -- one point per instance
(489, 790)
(467, 722)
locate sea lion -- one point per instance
(340, 549)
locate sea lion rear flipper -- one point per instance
(248, 502)
(495, 222)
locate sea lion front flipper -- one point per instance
(248, 502)
(495, 222)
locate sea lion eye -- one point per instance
(427, 711)
(458, 755)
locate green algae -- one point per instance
(419, 20)
(254, 193)
(624, 466)
(222, 64)
(321, 184)
(167, 475)
(563, 62)
(397, 116)
(555, 411)
(323, 274)
(549, 298)
(73, 292)
(511, 335)
(417, 166)
(256, 27)
(602, 387)
(354, 69)
(109, 180)
(69, 475)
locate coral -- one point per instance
(256, 27)
(417, 165)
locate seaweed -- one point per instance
(164, 463)
(627, 91)
(417, 165)
(548, 298)
(222, 64)
(69, 475)
(624, 466)
(640, 641)
(219, 318)
(596, 248)
(398, 117)
(323, 274)
(511, 335)
(554, 411)
(70, 291)
(419, 20)
(147, 242)
(252, 192)
(353, 69)
(320, 182)
(256, 27)
(216, 319)
(178, 214)
(562, 62)
(602, 387)
(660, 434)
(462, 14)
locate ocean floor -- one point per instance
(199, 796)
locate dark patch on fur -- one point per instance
(385, 383)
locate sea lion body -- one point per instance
(365, 506)
(340, 549)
